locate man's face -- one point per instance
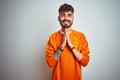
(66, 19)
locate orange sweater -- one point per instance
(67, 67)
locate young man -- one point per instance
(67, 49)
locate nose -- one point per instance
(66, 17)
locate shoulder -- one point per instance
(78, 33)
(54, 35)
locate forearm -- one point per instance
(83, 59)
(83, 55)
(60, 50)
(57, 54)
(77, 54)
(52, 59)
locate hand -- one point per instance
(68, 41)
(63, 42)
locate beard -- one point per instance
(65, 25)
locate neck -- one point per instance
(63, 29)
(68, 29)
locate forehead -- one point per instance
(66, 12)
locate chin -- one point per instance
(66, 26)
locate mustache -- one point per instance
(66, 20)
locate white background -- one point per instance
(25, 26)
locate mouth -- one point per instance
(66, 21)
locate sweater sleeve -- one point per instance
(85, 52)
(50, 50)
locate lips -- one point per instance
(66, 21)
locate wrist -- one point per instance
(73, 47)
(57, 54)
(61, 48)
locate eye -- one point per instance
(62, 15)
(70, 15)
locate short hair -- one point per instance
(66, 7)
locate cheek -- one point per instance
(71, 18)
(62, 18)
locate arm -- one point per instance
(83, 58)
(59, 51)
(52, 52)
(83, 55)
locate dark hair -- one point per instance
(66, 7)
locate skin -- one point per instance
(66, 21)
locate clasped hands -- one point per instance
(66, 39)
